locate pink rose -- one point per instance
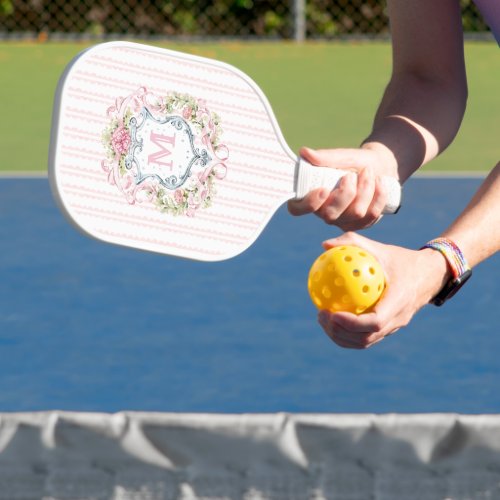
(120, 140)
(187, 112)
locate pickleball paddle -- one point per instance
(172, 153)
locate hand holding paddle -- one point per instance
(359, 199)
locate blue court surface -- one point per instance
(87, 326)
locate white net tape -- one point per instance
(159, 456)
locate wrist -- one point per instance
(388, 165)
(437, 272)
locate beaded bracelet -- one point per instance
(459, 267)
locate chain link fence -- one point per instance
(283, 19)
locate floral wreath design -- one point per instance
(197, 187)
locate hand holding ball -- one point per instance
(346, 278)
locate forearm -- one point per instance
(477, 230)
(416, 121)
(424, 102)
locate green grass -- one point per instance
(323, 94)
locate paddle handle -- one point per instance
(309, 177)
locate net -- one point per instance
(159, 456)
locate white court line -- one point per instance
(23, 175)
(454, 174)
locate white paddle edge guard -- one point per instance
(309, 177)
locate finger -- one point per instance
(368, 207)
(339, 335)
(342, 340)
(362, 324)
(345, 344)
(364, 196)
(347, 338)
(379, 200)
(359, 340)
(349, 158)
(356, 215)
(373, 325)
(375, 211)
(348, 238)
(310, 203)
(339, 199)
(353, 340)
(357, 224)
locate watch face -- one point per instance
(451, 288)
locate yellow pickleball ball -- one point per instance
(346, 278)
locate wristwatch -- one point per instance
(460, 270)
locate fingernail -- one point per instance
(306, 150)
(324, 194)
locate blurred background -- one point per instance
(283, 19)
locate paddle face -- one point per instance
(166, 152)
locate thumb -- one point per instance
(353, 159)
(349, 238)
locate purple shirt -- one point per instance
(490, 9)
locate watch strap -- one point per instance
(457, 263)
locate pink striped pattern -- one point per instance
(260, 167)
(114, 205)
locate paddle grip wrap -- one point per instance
(309, 177)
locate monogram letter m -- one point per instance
(163, 142)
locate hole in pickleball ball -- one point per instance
(339, 281)
(363, 254)
(327, 293)
(366, 289)
(336, 306)
(346, 299)
(372, 270)
(379, 287)
(348, 258)
(317, 276)
(360, 309)
(356, 273)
